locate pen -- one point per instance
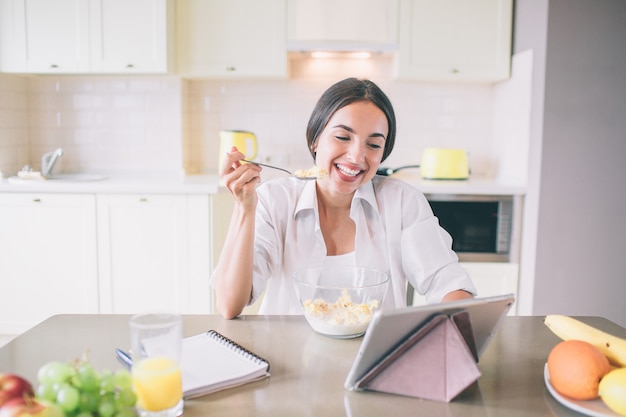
(124, 358)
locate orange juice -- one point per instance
(157, 382)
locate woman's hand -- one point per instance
(241, 179)
(456, 295)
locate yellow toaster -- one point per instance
(444, 164)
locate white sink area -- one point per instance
(79, 177)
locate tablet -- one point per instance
(389, 328)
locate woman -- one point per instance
(350, 216)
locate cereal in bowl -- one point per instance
(343, 318)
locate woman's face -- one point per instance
(351, 146)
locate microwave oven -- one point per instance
(484, 228)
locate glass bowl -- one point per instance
(338, 301)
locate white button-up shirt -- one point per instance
(396, 232)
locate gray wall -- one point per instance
(577, 169)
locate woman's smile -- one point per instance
(347, 171)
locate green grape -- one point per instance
(107, 382)
(68, 398)
(89, 379)
(125, 397)
(89, 401)
(125, 412)
(123, 379)
(81, 391)
(55, 372)
(106, 408)
(47, 392)
(56, 387)
(75, 381)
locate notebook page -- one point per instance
(209, 365)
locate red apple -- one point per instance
(12, 386)
(30, 407)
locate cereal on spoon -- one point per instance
(315, 171)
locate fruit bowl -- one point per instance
(338, 301)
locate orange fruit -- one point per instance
(576, 368)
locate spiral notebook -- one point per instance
(212, 362)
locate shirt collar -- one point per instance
(308, 197)
(367, 194)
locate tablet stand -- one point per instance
(437, 362)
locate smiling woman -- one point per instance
(350, 217)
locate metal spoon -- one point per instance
(280, 169)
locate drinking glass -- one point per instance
(156, 341)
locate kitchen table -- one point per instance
(308, 370)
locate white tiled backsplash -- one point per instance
(170, 125)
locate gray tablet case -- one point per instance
(427, 352)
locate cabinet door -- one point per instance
(131, 36)
(57, 36)
(455, 40)
(48, 259)
(231, 38)
(12, 36)
(142, 249)
(342, 24)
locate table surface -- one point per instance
(308, 370)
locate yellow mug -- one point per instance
(244, 141)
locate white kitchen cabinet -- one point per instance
(490, 279)
(343, 25)
(47, 258)
(12, 36)
(231, 38)
(132, 36)
(156, 251)
(143, 250)
(57, 36)
(87, 36)
(454, 40)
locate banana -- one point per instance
(568, 328)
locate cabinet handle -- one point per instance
(36, 200)
(454, 70)
(230, 69)
(130, 66)
(143, 200)
(54, 66)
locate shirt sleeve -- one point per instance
(428, 260)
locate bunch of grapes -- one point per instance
(81, 391)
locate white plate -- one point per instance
(594, 408)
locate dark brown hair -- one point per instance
(343, 93)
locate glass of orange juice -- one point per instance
(156, 341)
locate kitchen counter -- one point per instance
(122, 184)
(210, 184)
(308, 370)
(471, 186)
